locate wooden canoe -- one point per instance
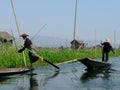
(93, 64)
(11, 71)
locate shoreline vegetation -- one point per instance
(10, 58)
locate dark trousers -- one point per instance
(105, 54)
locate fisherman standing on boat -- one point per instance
(28, 45)
(106, 49)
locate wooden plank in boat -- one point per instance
(10, 71)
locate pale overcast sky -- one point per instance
(100, 16)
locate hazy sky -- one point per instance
(100, 16)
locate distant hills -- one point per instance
(46, 41)
(52, 42)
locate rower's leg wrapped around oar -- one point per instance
(34, 57)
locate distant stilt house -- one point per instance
(6, 37)
(75, 44)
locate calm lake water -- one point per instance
(72, 76)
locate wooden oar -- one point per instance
(44, 59)
(51, 63)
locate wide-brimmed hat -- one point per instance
(107, 40)
(24, 35)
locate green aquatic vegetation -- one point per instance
(9, 57)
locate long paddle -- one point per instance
(51, 63)
(44, 59)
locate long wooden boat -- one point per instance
(93, 64)
(11, 71)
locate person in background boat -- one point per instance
(31, 52)
(106, 49)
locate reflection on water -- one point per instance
(30, 81)
(33, 83)
(101, 73)
(72, 76)
(38, 85)
(45, 79)
(99, 79)
(3, 80)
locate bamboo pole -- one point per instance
(38, 31)
(74, 33)
(18, 29)
(115, 42)
(95, 43)
(14, 39)
(75, 20)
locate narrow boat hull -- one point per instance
(11, 71)
(92, 64)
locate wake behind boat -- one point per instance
(93, 64)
